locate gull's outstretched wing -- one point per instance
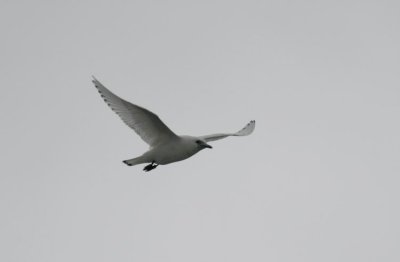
(145, 123)
(245, 131)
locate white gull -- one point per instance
(165, 146)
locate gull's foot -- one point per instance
(150, 167)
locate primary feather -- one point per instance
(145, 123)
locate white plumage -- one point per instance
(165, 146)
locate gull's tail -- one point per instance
(135, 161)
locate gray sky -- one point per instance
(317, 181)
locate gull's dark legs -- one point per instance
(150, 167)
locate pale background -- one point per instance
(317, 181)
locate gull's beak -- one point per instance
(207, 145)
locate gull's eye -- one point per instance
(198, 141)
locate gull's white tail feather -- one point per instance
(135, 161)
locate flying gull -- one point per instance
(165, 146)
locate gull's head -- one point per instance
(201, 144)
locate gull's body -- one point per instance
(165, 146)
(172, 151)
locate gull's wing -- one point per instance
(145, 123)
(245, 131)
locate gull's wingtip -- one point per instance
(252, 125)
(247, 130)
(97, 83)
(94, 79)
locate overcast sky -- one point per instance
(318, 180)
